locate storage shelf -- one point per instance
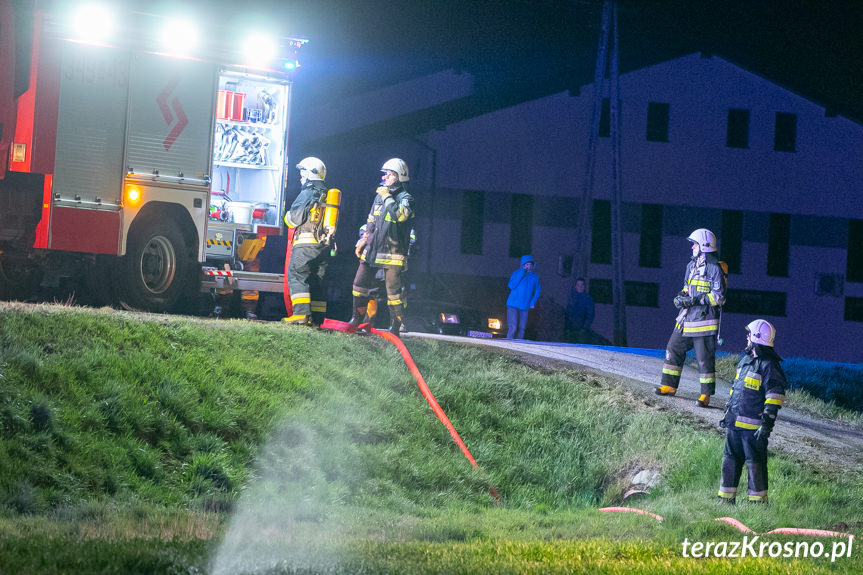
(247, 166)
(248, 124)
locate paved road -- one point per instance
(825, 443)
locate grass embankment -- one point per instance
(141, 444)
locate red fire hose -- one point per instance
(741, 527)
(424, 389)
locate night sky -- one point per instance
(522, 49)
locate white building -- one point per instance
(704, 143)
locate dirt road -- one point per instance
(827, 444)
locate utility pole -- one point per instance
(608, 34)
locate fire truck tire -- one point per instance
(156, 267)
(19, 278)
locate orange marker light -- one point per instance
(133, 195)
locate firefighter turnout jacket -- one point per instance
(704, 283)
(306, 213)
(387, 238)
(758, 390)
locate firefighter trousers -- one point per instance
(705, 354)
(364, 281)
(306, 279)
(741, 446)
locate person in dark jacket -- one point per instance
(385, 244)
(756, 397)
(579, 314)
(697, 324)
(524, 291)
(309, 254)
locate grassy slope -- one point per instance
(136, 444)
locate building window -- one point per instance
(657, 122)
(521, 225)
(472, 220)
(638, 294)
(738, 129)
(605, 119)
(731, 240)
(854, 309)
(650, 248)
(600, 291)
(755, 302)
(785, 134)
(642, 294)
(778, 243)
(600, 239)
(854, 265)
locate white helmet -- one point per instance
(705, 239)
(314, 168)
(761, 332)
(398, 166)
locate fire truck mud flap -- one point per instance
(156, 269)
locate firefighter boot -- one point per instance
(396, 325)
(703, 400)
(295, 319)
(664, 390)
(359, 315)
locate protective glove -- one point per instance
(763, 432)
(683, 301)
(358, 249)
(383, 192)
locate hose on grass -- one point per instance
(424, 389)
(740, 526)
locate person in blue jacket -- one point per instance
(524, 291)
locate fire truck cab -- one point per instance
(133, 162)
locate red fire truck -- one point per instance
(133, 162)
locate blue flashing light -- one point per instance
(290, 65)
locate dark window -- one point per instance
(605, 119)
(564, 265)
(754, 302)
(731, 240)
(642, 294)
(521, 225)
(472, 219)
(600, 291)
(779, 234)
(650, 248)
(854, 267)
(854, 309)
(600, 242)
(738, 129)
(657, 122)
(785, 135)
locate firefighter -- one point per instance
(309, 253)
(385, 244)
(756, 397)
(697, 323)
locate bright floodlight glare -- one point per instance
(179, 37)
(94, 23)
(259, 49)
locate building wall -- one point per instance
(539, 148)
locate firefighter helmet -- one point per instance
(398, 166)
(705, 239)
(761, 332)
(314, 168)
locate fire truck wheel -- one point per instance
(18, 278)
(155, 268)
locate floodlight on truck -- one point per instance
(94, 23)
